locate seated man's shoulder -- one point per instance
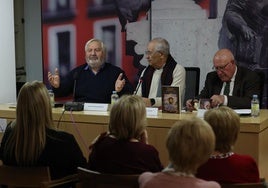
(245, 69)
(248, 72)
(180, 66)
(112, 67)
(212, 74)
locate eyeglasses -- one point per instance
(147, 52)
(220, 68)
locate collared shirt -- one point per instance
(231, 88)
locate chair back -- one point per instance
(92, 179)
(245, 185)
(191, 83)
(12, 176)
(32, 177)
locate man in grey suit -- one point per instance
(229, 84)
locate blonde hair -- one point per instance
(190, 142)
(33, 116)
(225, 123)
(128, 117)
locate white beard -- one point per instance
(94, 63)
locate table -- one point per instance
(86, 125)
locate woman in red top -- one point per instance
(225, 166)
(125, 149)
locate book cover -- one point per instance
(205, 104)
(171, 102)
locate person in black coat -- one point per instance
(242, 82)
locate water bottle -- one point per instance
(255, 106)
(114, 97)
(52, 97)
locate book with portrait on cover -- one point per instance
(171, 102)
(205, 104)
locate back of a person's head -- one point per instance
(128, 117)
(33, 116)
(190, 142)
(33, 104)
(225, 123)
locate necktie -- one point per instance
(226, 88)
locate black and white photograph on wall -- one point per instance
(245, 32)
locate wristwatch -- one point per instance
(152, 101)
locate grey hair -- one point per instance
(96, 40)
(162, 45)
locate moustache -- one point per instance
(93, 57)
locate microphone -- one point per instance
(74, 106)
(138, 86)
(75, 80)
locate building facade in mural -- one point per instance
(68, 24)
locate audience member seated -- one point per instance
(124, 149)
(94, 81)
(190, 142)
(31, 140)
(225, 166)
(229, 84)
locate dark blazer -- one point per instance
(62, 153)
(246, 84)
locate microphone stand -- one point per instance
(138, 86)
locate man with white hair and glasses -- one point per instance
(162, 70)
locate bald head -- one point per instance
(224, 54)
(224, 64)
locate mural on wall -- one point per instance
(245, 32)
(124, 26)
(128, 10)
(136, 35)
(137, 32)
(210, 5)
(68, 24)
